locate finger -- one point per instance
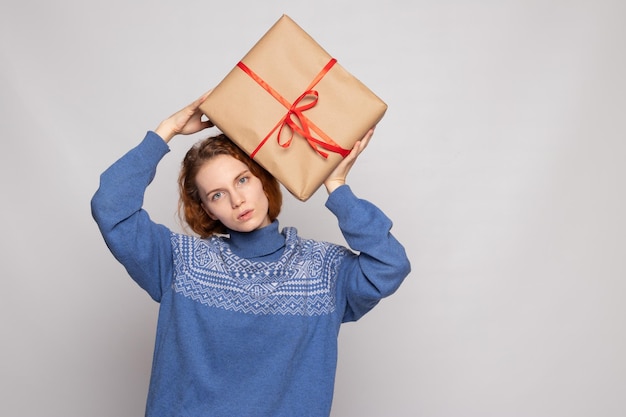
(354, 152)
(361, 145)
(205, 95)
(200, 100)
(367, 137)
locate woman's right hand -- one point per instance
(186, 121)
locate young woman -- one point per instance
(249, 314)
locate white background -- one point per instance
(500, 160)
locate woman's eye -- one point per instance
(243, 180)
(216, 196)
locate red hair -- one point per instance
(190, 207)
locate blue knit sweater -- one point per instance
(248, 323)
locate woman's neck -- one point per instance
(258, 243)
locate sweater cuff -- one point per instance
(153, 147)
(340, 199)
(156, 142)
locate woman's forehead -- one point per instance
(219, 170)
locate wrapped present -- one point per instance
(291, 107)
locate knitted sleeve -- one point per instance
(141, 245)
(381, 264)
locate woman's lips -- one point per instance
(245, 215)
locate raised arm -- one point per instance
(141, 245)
(380, 263)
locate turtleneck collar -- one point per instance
(258, 243)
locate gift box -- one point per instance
(291, 107)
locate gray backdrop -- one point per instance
(499, 160)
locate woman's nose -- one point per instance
(237, 199)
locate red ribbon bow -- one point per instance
(301, 125)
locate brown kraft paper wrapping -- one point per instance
(288, 60)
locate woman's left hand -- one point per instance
(338, 176)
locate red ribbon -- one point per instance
(301, 125)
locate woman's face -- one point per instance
(231, 194)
